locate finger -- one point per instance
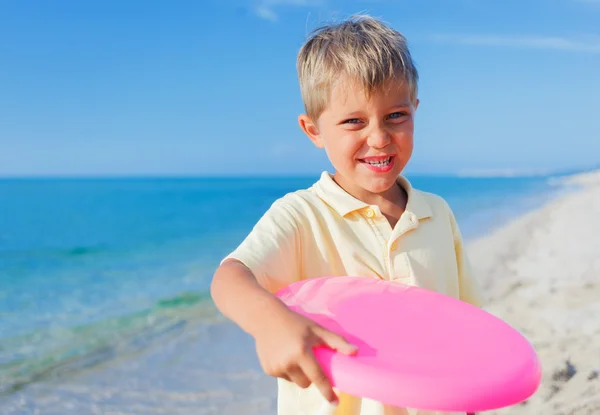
(297, 376)
(315, 374)
(335, 341)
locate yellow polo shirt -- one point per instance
(324, 231)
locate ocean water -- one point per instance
(93, 271)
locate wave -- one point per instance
(56, 253)
(503, 173)
(58, 352)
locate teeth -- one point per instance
(381, 163)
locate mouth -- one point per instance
(377, 161)
(379, 164)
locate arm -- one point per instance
(238, 295)
(284, 339)
(266, 260)
(469, 289)
(242, 287)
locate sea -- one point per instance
(104, 286)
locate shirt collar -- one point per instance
(344, 203)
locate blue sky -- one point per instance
(209, 87)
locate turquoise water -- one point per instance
(94, 269)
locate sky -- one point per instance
(121, 88)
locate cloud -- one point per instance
(266, 9)
(267, 13)
(589, 44)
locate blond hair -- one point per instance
(361, 47)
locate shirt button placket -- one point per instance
(390, 259)
(383, 235)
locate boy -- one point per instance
(359, 87)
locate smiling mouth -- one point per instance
(378, 163)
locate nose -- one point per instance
(378, 137)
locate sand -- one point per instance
(541, 274)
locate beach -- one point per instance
(540, 272)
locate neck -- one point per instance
(391, 200)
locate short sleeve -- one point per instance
(469, 288)
(272, 249)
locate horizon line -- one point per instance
(466, 173)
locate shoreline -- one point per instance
(541, 276)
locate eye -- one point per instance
(398, 115)
(351, 121)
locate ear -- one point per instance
(417, 101)
(311, 130)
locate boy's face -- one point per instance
(368, 141)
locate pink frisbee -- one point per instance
(417, 348)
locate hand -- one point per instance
(285, 350)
